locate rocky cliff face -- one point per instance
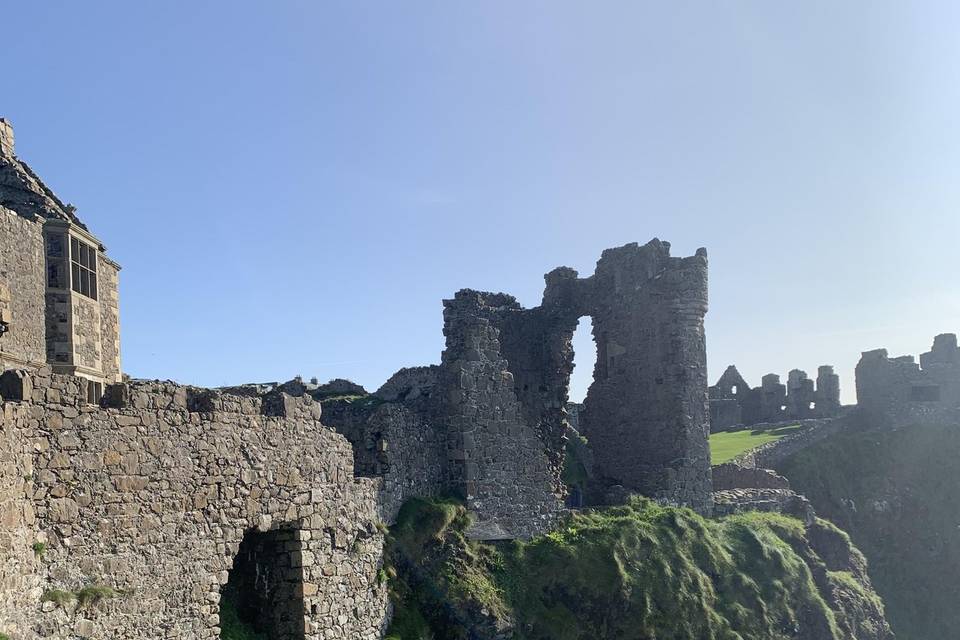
(635, 571)
(895, 492)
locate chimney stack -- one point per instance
(6, 137)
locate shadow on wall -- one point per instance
(263, 597)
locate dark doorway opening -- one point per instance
(263, 595)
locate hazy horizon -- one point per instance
(294, 188)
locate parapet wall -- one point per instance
(151, 497)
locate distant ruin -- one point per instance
(903, 392)
(734, 403)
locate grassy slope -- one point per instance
(727, 445)
(897, 494)
(641, 571)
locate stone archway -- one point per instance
(264, 591)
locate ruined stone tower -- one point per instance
(646, 413)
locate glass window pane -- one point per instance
(76, 277)
(92, 255)
(74, 250)
(83, 255)
(84, 282)
(93, 285)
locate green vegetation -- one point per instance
(232, 627)
(727, 445)
(39, 548)
(574, 473)
(57, 597)
(86, 597)
(90, 596)
(896, 493)
(4, 636)
(638, 571)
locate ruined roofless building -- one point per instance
(490, 423)
(733, 402)
(58, 289)
(904, 392)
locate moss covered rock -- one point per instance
(640, 571)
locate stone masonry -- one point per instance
(134, 510)
(154, 496)
(495, 407)
(58, 289)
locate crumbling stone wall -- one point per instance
(152, 494)
(646, 413)
(773, 401)
(397, 436)
(767, 455)
(497, 459)
(900, 391)
(725, 400)
(496, 406)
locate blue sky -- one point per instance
(293, 187)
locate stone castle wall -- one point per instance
(496, 458)
(152, 498)
(22, 275)
(400, 446)
(20, 567)
(766, 456)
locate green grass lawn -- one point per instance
(727, 445)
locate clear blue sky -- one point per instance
(293, 187)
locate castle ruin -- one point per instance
(734, 403)
(130, 509)
(904, 392)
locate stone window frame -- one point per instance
(83, 267)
